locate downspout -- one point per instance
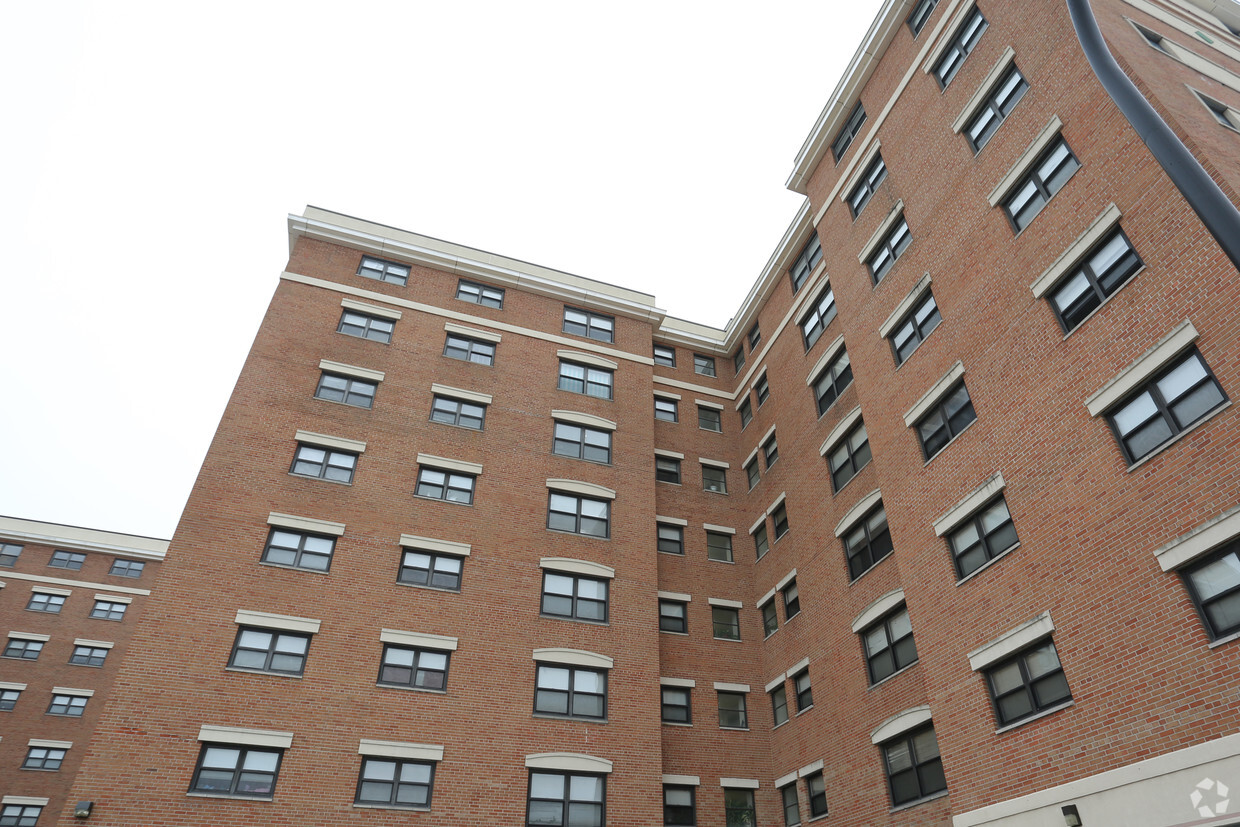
(1213, 207)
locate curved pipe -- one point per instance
(1212, 206)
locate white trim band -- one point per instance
(899, 723)
(1200, 541)
(245, 736)
(968, 506)
(1011, 642)
(840, 430)
(324, 441)
(683, 780)
(718, 529)
(1106, 221)
(573, 657)
(720, 686)
(931, 397)
(681, 682)
(400, 749)
(726, 604)
(905, 306)
(416, 543)
(567, 761)
(588, 489)
(983, 90)
(471, 332)
(588, 420)
(420, 640)
(351, 370)
(739, 783)
(877, 609)
(371, 309)
(445, 464)
(1147, 364)
(307, 524)
(588, 359)
(858, 511)
(459, 393)
(573, 566)
(1025, 161)
(267, 620)
(896, 213)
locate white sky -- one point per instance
(152, 151)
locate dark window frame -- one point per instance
(449, 410)
(806, 261)
(479, 294)
(571, 694)
(361, 325)
(814, 323)
(745, 410)
(20, 648)
(20, 815)
(576, 601)
(68, 705)
(666, 410)
(432, 570)
(584, 446)
(421, 676)
(792, 599)
(762, 390)
(779, 522)
(717, 541)
(1041, 181)
(1029, 686)
(9, 554)
(754, 336)
(451, 482)
(833, 370)
(467, 349)
(865, 553)
(1000, 100)
(714, 479)
(333, 461)
(9, 699)
(1164, 410)
(243, 753)
(46, 759)
(984, 538)
(591, 377)
(761, 540)
(667, 469)
(68, 560)
(894, 243)
(848, 132)
(669, 538)
(861, 193)
(361, 391)
(1228, 595)
(131, 569)
(738, 360)
(594, 323)
(851, 456)
(673, 620)
(900, 655)
(108, 609)
(580, 500)
(271, 650)
(85, 655)
(953, 424)
(708, 417)
(704, 365)
(922, 319)
(567, 793)
(46, 603)
(679, 693)
(791, 808)
(738, 715)
(666, 358)
(388, 272)
(803, 690)
(770, 619)
(920, 15)
(731, 624)
(779, 705)
(923, 770)
(396, 784)
(1099, 286)
(962, 43)
(770, 451)
(300, 552)
(674, 815)
(818, 797)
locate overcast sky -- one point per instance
(152, 152)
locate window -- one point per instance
(738, 360)
(389, 271)
(779, 519)
(868, 542)
(44, 602)
(816, 786)
(982, 538)
(732, 714)
(762, 390)
(590, 381)
(360, 393)
(889, 645)
(1166, 405)
(574, 596)
(482, 294)
(126, 568)
(945, 421)
(44, 758)
(849, 456)
(995, 109)
(72, 706)
(673, 616)
(714, 479)
(806, 261)
(431, 569)
(710, 419)
(23, 649)
(770, 618)
(852, 126)
(792, 600)
(413, 667)
(864, 189)
(1029, 683)
(469, 350)
(679, 806)
(761, 545)
(323, 463)
(388, 782)
(920, 14)
(84, 655)
(888, 250)
(579, 515)
(581, 442)
(1052, 170)
(664, 355)
(665, 409)
(1214, 585)
(591, 325)
(754, 336)
(746, 412)
(726, 622)
(572, 691)
(20, 815)
(1106, 268)
(8, 699)
(779, 704)
(1222, 113)
(298, 550)
(819, 316)
(833, 380)
(445, 485)
(225, 769)
(675, 705)
(792, 807)
(719, 546)
(458, 412)
(914, 768)
(9, 553)
(362, 326)
(671, 539)
(71, 560)
(913, 328)
(1153, 39)
(770, 451)
(566, 798)
(962, 43)
(667, 470)
(704, 365)
(751, 472)
(805, 694)
(267, 650)
(108, 610)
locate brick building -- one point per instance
(71, 598)
(941, 528)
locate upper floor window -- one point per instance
(914, 768)
(1214, 585)
(805, 693)
(994, 110)
(112, 609)
(715, 479)
(833, 380)
(591, 381)
(864, 189)
(779, 704)
(126, 568)
(574, 596)
(40, 758)
(413, 666)
(589, 324)
(299, 550)
(360, 393)
(391, 782)
(710, 419)
(890, 248)
(666, 409)
(1030, 682)
(676, 706)
(746, 412)
(914, 327)
(738, 808)
(889, 645)
(71, 560)
(482, 294)
(20, 815)
(792, 806)
(755, 336)
(962, 42)
(760, 540)
(920, 15)
(389, 271)
(269, 650)
(816, 786)
(445, 485)
(738, 360)
(582, 442)
(458, 412)
(770, 451)
(792, 600)
(819, 316)
(323, 463)
(719, 546)
(224, 769)
(557, 798)
(726, 622)
(867, 542)
(752, 473)
(579, 515)
(732, 711)
(364, 326)
(762, 390)
(946, 419)
(9, 552)
(806, 261)
(849, 456)
(41, 601)
(679, 808)
(670, 539)
(850, 129)
(1166, 405)
(779, 520)
(770, 618)
(673, 616)
(431, 569)
(86, 655)
(667, 469)
(23, 648)
(1048, 175)
(665, 355)
(72, 706)
(705, 365)
(572, 691)
(982, 538)
(469, 350)
(1105, 269)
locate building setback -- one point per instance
(941, 529)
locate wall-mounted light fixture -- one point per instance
(83, 808)
(1071, 818)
